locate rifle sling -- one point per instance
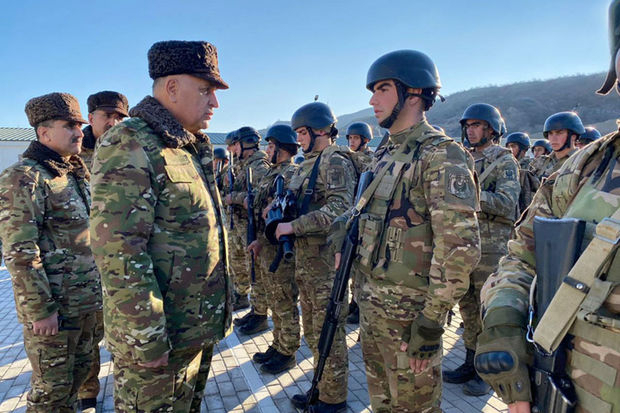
(485, 174)
(305, 204)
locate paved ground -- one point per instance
(235, 384)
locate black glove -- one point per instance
(424, 338)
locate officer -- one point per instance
(281, 288)
(591, 135)
(44, 204)
(498, 174)
(541, 147)
(324, 186)
(245, 148)
(412, 272)
(562, 130)
(519, 144)
(587, 189)
(158, 236)
(105, 109)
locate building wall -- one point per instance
(10, 151)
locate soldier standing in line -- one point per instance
(245, 148)
(418, 237)
(519, 143)
(44, 206)
(586, 188)
(281, 288)
(158, 235)
(105, 109)
(324, 186)
(562, 130)
(541, 147)
(220, 164)
(498, 174)
(588, 137)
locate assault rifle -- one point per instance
(282, 210)
(251, 222)
(337, 299)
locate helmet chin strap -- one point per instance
(274, 157)
(312, 140)
(389, 121)
(569, 138)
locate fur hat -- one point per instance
(176, 57)
(108, 101)
(53, 106)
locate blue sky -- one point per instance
(276, 55)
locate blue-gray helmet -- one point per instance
(284, 137)
(315, 115)
(488, 113)
(220, 153)
(248, 134)
(360, 128)
(591, 134)
(231, 138)
(564, 120)
(544, 144)
(520, 138)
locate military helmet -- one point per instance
(248, 134)
(220, 153)
(564, 120)
(231, 137)
(410, 67)
(614, 45)
(543, 143)
(591, 134)
(315, 115)
(439, 129)
(520, 138)
(487, 113)
(283, 134)
(360, 128)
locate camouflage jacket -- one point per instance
(545, 165)
(260, 166)
(419, 238)
(158, 237)
(586, 187)
(88, 146)
(524, 163)
(364, 160)
(44, 206)
(333, 193)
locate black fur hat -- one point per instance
(53, 106)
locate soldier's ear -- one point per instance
(171, 86)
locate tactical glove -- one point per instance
(424, 338)
(503, 356)
(338, 233)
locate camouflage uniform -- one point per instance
(281, 288)
(88, 146)
(406, 269)
(499, 195)
(545, 165)
(314, 263)
(587, 188)
(159, 241)
(529, 184)
(240, 259)
(44, 206)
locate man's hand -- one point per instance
(245, 202)
(266, 210)
(337, 257)
(46, 327)
(228, 199)
(519, 407)
(160, 362)
(421, 342)
(284, 228)
(255, 247)
(415, 364)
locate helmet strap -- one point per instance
(312, 140)
(569, 138)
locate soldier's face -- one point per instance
(303, 137)
(476, 130)
(514, 148)
(271, 149)
(194, 102)
(101, 121)
(384, 98)
(64, 137)
(557, 138)
(354, 142)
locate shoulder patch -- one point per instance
(458, 183)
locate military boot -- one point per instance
(476, 386)
(278, 363)
(240, 302)
(264, 356)
(462, 373)
(255, 324)
(322, 407)
(354, 313)
(300, 401)
(242, 320)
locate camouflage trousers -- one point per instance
(469, 305)
(282, 295)
(201, 380)
(90, 387)
(164, 389)
(392, 385)
(238, 259)
(258, 294)
(314, 274)
(60, 364)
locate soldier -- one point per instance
(562, 130)
(358, 136)
(105, 109)
(590, 136)
(541, 147)
(418, 237)
(281, 288)
(220, 163)
(498, 174)
(519, 143)
(245, 148)
(324, 186)
(587, 188)
(158, 236)
(44, 204)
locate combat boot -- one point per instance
(240, 302)
(255, 324)
(242, 320)
(476, 386)
(300, 401)
(354, 313)
(322, 407)
(462, 373)
(278, 363)
(265, 356)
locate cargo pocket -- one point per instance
(370, 229)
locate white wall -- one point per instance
(9, 152)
